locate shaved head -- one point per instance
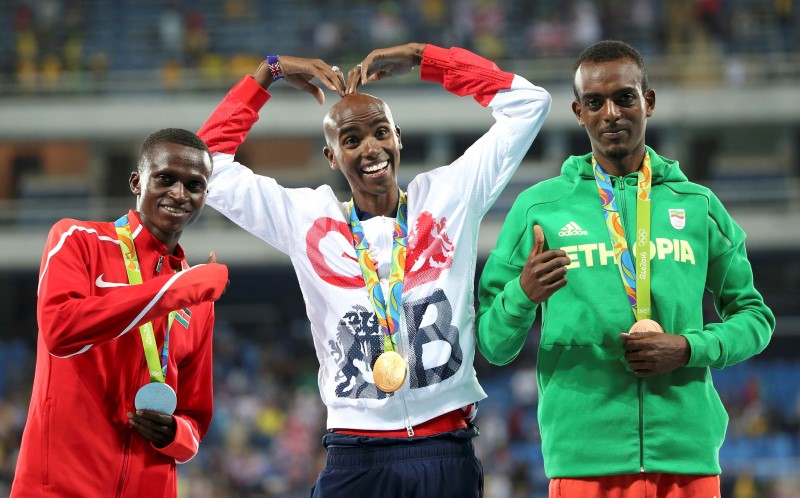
(350, 108)
(363, 143)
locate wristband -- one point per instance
(275, 67)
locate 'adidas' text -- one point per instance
(572, 228)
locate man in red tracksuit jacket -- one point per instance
(85, 436)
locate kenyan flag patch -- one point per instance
(183, 316)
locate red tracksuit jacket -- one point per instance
(90, 363)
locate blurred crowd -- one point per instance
(75, 45)
(264, 441)
(265, 436)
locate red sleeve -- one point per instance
(71, 319)
(228, 125)
(195, 399)
(464, 73)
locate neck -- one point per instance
(170, 240)
(171, 245)
(377, 205)
(620, 166)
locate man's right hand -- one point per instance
(299, 72)
(545, 271)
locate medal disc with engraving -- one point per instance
(156, 396)
(389, 371)
(646, 325)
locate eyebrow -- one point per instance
(627, 89)
(352, 127)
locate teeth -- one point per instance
(376, 167)
(174, 209)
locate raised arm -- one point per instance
(258, 203)
(518, 107)
(72, 320)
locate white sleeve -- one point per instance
(485, 168)
(256, 203)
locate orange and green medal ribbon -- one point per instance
(388, 315)
(157, 369)
(634, 269)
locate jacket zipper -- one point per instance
(126, 449)
(621, 200)
(640, 389)
(620, 181)
(125, 459)
(406, 417)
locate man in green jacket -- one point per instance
(625, 409)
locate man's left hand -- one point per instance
(654, 353)
(156, 427)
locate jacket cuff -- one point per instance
(251, 93)
(429, 71)
(705, 348)
(515, 302)
(177, 449)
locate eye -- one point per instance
(350, 141)
(164, 179)
(627, 99)
(593, 103)
(196, 187)
(382, 132)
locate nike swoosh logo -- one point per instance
(102, 283)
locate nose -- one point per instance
(178, 192)
(611, 111)
(371, 147)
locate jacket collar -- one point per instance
(663, 169)
(147, 244)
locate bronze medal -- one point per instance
(646, 325)
(389, 371)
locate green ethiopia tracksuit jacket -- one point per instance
(596, 418)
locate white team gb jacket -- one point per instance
(445, 207)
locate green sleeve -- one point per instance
(505, 312)
(747, 323)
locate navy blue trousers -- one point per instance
(440, 466)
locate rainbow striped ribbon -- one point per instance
(635, 279)
(389, 322)
(157, 369)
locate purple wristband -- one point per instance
(275, 67)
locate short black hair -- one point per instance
(606, 51)
(173, 136)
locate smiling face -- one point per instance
(613, 108)
(364, 144)
(171, 187)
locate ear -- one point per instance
(134, 183)
(650, 101)
(397, 132)
(576, 109)
(328, 153)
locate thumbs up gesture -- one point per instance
(545, 271)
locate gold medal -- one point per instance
(646, 325)
(389, 371)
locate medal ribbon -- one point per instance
(635, 279)
(389, 322)
(157, 369)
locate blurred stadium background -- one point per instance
(82, 82)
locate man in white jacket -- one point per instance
(388, 275)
